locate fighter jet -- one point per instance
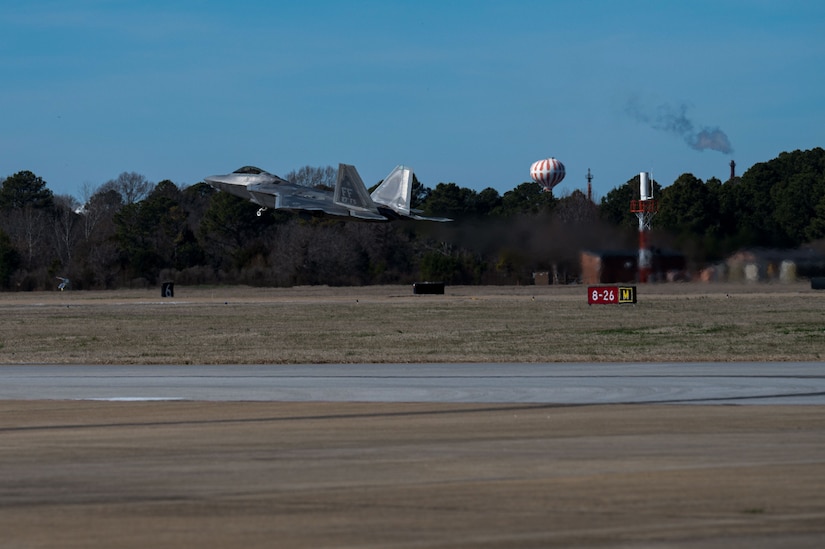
(389, 201)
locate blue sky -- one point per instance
(470, 92)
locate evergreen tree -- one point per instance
(9, 260)
(24, 189)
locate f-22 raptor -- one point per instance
(388, 202)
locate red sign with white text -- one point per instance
(608, 295)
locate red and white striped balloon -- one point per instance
(548, 173)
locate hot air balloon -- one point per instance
(548, 173)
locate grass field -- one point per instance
(240, 325)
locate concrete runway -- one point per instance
(558, 383)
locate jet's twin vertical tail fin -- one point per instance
(395, 192)
(390, 200)
(351, 193)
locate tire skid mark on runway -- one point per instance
(741, 397)
(317, 417)
(374, 415)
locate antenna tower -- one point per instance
(589, 188)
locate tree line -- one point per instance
(130, 232)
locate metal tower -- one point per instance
(644, 208)
(589, 188)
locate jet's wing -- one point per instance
(265, 198)
(351, 193)
(423, 218)
(307, 199)
(297, 199)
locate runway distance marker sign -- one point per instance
(610, 295)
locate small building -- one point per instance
(762, 265)
(541, 278)
(622, 266)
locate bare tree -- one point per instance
(315, 177)
(99, 207)
(65, 227)
(25, 228)
(576, 209)
(132, 187)
(98, 253)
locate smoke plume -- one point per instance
(675, 120)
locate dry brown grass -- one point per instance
(239, 325)
(426, 475)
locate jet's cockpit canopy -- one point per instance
(251, 170)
